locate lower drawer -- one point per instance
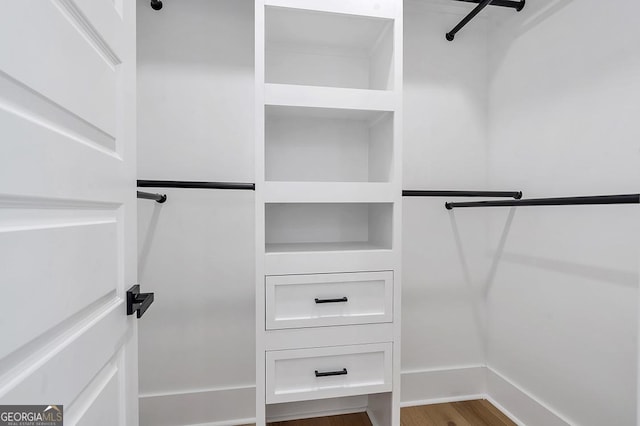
(301, 374)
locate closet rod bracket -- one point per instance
(517, 5)
(158, 198)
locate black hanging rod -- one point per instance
(191, 184)
(160, 198)
(517, 5)
(559, 201)
(441, 193)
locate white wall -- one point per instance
(195, 108)
(445, 145)
(563, 120)
(195, 90)
(562, 302)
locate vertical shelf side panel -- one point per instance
(260, 211)
(384, 408)
(398, 41)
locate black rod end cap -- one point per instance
(518, 195)
(448, 206)
(156, 4)
(449, 36)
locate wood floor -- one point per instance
(467, 413)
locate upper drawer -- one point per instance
(294, 301)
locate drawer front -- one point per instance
(301, 374)
(295, 301)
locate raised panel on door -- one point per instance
(66, 61)
(56, 249)
(67, 207)
(100, 404)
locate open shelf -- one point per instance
(330, 97)
(298, 227)
(314, 48)
(327, 145)
(379, 8)
(330, 192)
(339, 246)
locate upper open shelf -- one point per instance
(313, 48)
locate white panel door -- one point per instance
(68, 207)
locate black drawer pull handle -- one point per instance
(332, 373)
(342, 299)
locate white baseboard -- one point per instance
(442, 385)
(519, 405)
(213, 407)
(477, 382)
(236, 406)
(372, 418)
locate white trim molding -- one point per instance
(213, 407)
(234, 406)
(433, 386)
(519, 405)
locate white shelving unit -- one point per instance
(328, 208)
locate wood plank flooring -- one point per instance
(467, 413)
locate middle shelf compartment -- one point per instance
(305, 144)
(305, 227)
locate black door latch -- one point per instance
(138, 302)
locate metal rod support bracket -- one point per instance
(159, 198)
(517, 5)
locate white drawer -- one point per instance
(294, 301)
(301, 374)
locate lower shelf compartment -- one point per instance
(329, 372)
(303, 227)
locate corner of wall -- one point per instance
(517, 404)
